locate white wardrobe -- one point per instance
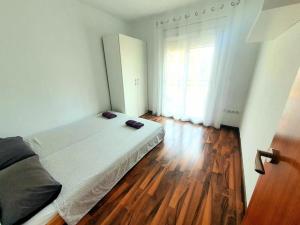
(126, 64)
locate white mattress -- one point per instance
(88, 158)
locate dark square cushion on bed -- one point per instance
(134, 124)
(109, 115)
(26, 188)
(12, 150)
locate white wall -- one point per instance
(242, 72)
(52, 68)
(277, 67)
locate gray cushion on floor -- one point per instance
(12, 150)
(26, 187)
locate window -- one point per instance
(187, 72)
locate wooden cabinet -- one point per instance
(126, 64)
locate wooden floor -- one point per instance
(193, 177)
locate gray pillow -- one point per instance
(12, 150)
(26, 188)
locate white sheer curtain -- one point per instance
(192, 64)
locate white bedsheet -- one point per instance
(43, 217)
(89, 157)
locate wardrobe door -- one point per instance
(142, 79)
(130, 62)
(114, 72)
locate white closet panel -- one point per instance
(126, 64)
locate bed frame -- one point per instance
(154, 134)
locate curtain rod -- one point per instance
(188, 15)
(196, 22)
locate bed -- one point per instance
(88, 158)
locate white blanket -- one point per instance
(90, 156)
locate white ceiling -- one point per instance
(134, 9)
